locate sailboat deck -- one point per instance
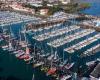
(45, 28)
(69, 38)
(7, 18)
(55, 33)
(72, 37)
(92, 50)
(82, 44)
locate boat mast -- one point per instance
(24, 31)
(55, 56)
(63, 56)
(2, 28)
(10, 31)
(10, 36)
(20, 36)
(25, 36)
(51, 54)
(33, 77)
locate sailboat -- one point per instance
(9, 46)
(10, 40)
(69, 65)
(65, 77)
(52, 70)
(64, 61)
(51, 55)
(4, 31)
(24, 44)
(38, 55)
(3, 37)
(23, 31)
(27, 57)
(1, 33)
(56, 58)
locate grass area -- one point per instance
(85, 5)
(54, 9)
(72, 8)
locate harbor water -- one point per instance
(94, 9)
(13, 69)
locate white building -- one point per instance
(65, 1)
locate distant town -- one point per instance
(42, 7)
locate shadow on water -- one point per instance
(9, 78)
(12, 68)
(1, 69)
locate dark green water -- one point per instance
(13, 69)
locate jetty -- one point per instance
(66, 18)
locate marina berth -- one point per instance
(55, 33)
(88, 41)
(28, 58)
(69, 65)
(1, 38)
(69, 38)
(82, 44)
(92, 50)
(53, 26)
(5, 47)
(48, 27)
(90, 63)
(85, 44)
(63, 15)
(19, 53)
(51, 71)
(66, 77)
(14, 18)
(45, 28)
(50, 57)
(38, 64)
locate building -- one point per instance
(65, 1)
(18, 7)
(44, 11)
